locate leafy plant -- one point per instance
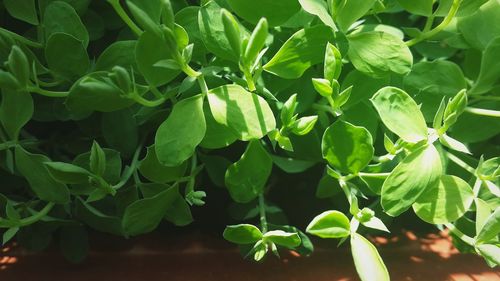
(397, 101)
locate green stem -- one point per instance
(477, 187)
(12, 144)
(203, 84)
(249, 79)
(47, 93)
(155, 91)
(262, 212)
(467, 239)
(191, 182)
(149, 103)
(461, 163)
(189, 71)
(361, 174)
(124, 16)
(483, 112)
(130, 171)
(29, 220)
(449, 17)
(21, 39)
(428, 23)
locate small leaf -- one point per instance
(67, 173)
(282, 238)
(329, 224)
(490, 229)
(97, 162)
(242, 234)
(367, 260)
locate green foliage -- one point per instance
(123, 122)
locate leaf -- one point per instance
(318, 8)
(66, 56)
(490, 229)
(350, 11)
(446, 201)
(246, 114)
(67, 173)
(9, 234)
(177, 137)
(246, 178)
(154, 171)
(16, 109)
(113, 163)
(429, 82)
(422, 7)
(490, 69)
(147, 54)
(144, 215)
(282, 238)
(276, 12)
(347, 147)
(400, 114)
(379, 54)
(32, 167)
(329, 224)
(490, 253)
(291, 165)
(96, 219)
(217, 135)
(367, 260)
(418, 171)
(124, 138)
(121, 53)
(60, 17)
(302, 50)
(375, 223)
(481, 27)
(97, 161)
(242, 234)
(24, 10)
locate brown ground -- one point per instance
(192, 259)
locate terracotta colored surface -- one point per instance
(192, 258)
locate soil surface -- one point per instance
(198, 257)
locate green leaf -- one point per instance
(419, 171)
(60, 17)
(302, 50)
(67, 173)
(333, 62)
(18, 65)
(400, 114)
(347, 12)
(113, 164)
(16, 109)
(429, 82)
(490, 253)
(217, 135)
(304, 125)
(24, 10)
(379, 54)
(146, 13)
(66, 56)
(421, 7)
(242, 234)
(147, 54)
(232, 29)
(9, 234)
(255, 43)
(320, 9)
(144, 215)
(282, 238)
(96, 219)
(329, 224)
(246, 178)
(375, 223)
(178, 211)
(120, 53)
(32, 167)
(446, 201)
(481, 27)
(97, 161)
(177, 137)
(246, 114)
(490, 69)
(490, 229)
(276, 12)
(124, 138)
(367, 260)
(347, 147)
(154, 171)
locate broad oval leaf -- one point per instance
(242, 234)
(121, 53)
(347, 147)
(490, 69)
(217, 135)
(178, 136)
(420, 170)
(320, 9)
(421, 7)
(61, 17)
(151, 168)
(16, 109)
(302, 50)
(32, 167)
(283, 238)
(379, 54)
(246, 114)
(276, 12)
(67, 173)
(329, 224)
(490, 229)
(481, 27)
(490, 252)
(24, 10)
(400, 114)
(66, 56)
(446, 201)
(347, 12)
(369, 264)
(246, 178)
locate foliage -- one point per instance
(112, 111)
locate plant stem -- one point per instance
(203, 84)
(262, 211)
(47, 93)
(460, 234)
(428, 23)
(124, 16)
(428, 34)
(21, 39)
(139, 99)
(461, 163)
(249, 79)
(191, 182)
(483, 112)
(130, 171)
